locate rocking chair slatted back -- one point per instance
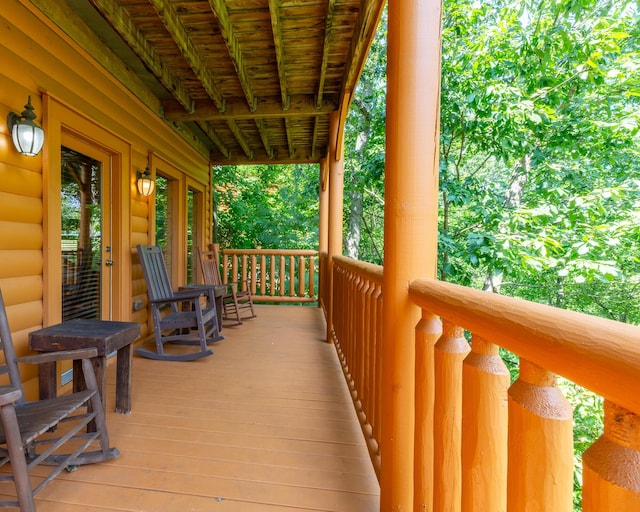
(155, 273)
(236, 297)
(194, 324)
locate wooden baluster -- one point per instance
(540, 462)
(376, 315)
(272, 276)
(360, 339)
(367, 336)
(485, 384)
(254, 273)
(283, 276)
(292, 276)
(301, 276)
(337, 301)
(244, 273)
(611, 465)
(225, 269)
(450, 351)
(350, 318)
(263, 274)
(428, 331)
(312, 276)
(234, 268)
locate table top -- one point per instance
(105, 335)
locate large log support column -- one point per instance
(323, 238)
(336, 187)
(410, 232)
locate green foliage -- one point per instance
(539, 160)
(266, 206)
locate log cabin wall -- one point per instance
(77, 99)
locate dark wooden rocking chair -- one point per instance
(237, 296)
(34, 433)
(195, 324)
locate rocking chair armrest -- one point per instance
(178, 298)
(9, 394)
(62, 355)
(194, 293)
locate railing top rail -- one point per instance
(368, 270)
(272, 252)
(600, 354)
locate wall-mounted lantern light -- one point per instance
(146, 184)
(28, 137)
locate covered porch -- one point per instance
(266, 424)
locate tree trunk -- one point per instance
(513, 197)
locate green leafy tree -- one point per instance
(266, 206)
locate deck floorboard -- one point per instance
(266, 424)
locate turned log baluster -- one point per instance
(611, 466)
(540, 461)
(450, 351)
(485, 383)
(428, 331)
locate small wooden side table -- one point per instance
(107, 337)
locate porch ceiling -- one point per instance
(249, 81)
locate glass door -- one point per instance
(86, 236)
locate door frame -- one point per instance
(63, 122)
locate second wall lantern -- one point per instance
(146, 184)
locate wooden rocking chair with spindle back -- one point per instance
(41, 432)
(237, 295)
(194, 324)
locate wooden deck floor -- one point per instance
(266, 424)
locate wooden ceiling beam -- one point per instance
(364, 32)
(172, 23)
(221, 14)
(266, 108)
(215, 138)
(261, 157)
(325, 51)
(314, 137)
(118, 18)
(237, 133)
(274, 12)
(289, 130)
(264, 136)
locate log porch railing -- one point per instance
(497, 446)
(273, 275)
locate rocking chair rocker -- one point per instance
(195, 324)
(33, 433)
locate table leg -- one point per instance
(47, 384)
(219, 310)
(99, 367)
(123, 379)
